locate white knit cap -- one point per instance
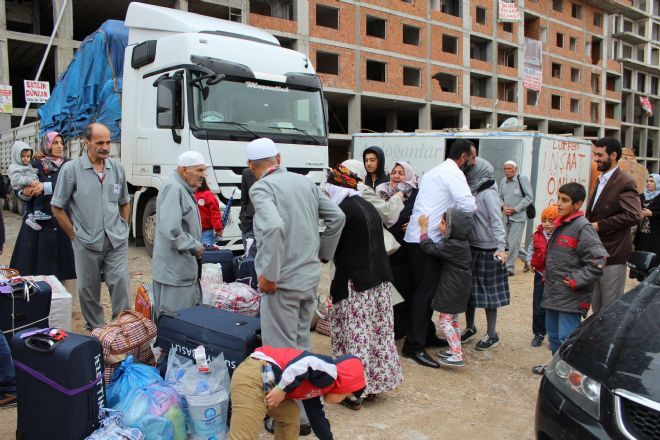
(510, 162)
(261, 148)
(191, 159)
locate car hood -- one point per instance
(621, 346)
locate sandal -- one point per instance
(369, 398)
(353, 403)
(539, 369)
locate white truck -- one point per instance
(548, 160)
(192, 82)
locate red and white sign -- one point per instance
(36, 92)
(508, 11)
(5, 99)
(646, 105)
(532, 78)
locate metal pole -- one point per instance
(43, 60)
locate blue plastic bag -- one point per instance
(130, 375)
(156, 411)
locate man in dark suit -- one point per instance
(613, 208)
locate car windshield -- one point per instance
(260, 108)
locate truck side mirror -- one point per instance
(640, 263)
(168, 103)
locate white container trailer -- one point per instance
(548, 161)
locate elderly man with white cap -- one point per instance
(287, 209)
(178, 242)
(516, 194)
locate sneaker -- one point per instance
(527, 267)
(8, 400)
(41, 216)
(468, 334)
(32, 223)
(537, 341)
(269, 425)
(487, 343)
(451, 362)
(510, 273)
(444, 354)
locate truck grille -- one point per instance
(637, 417)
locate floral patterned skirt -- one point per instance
(363, 325)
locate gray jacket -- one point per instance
(576, 254)
(21, 175)
(512, 197)
(287, 209)
(178, 234)
(487, 227)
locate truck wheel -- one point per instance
(149, 225)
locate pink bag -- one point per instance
(238, 298)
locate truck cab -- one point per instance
(192, 82)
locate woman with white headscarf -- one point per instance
(490, 282)
(647, 237)
(362, 322)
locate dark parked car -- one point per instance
(604, 381)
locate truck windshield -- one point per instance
(279, 111)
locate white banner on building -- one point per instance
(36, 92)
(532, 78)
(533, 66)
(508, 12)
(6, 105)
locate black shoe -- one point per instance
(539, 369)
(421, 358)
(537, 341)
(468, 334)
(269, 425)
(351, 402)
(510, 273)
(487, 342)
(437, 342)
(305, 430)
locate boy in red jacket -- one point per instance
(296, 374)
(209, 213)
(536, 255)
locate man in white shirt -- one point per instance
(441, 188)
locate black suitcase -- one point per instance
(244, 270)
(17, 313)
(234, 335)
(59, 386)
(226, 259)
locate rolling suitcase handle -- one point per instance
(41, 342)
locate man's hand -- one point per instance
(266, 286)
(423, 222)
(595, 225)
(509, 211)
(503, 256)
(274, 397)
(646, 212)
(200, 252)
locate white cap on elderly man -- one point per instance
(191, 159)
(261, 148)
(510, 162)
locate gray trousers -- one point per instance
(171, 299)
(609, 287)
(90, 264)
(285, 318)
(514, 233)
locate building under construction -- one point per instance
(414, 64)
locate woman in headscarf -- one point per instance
(490, 282)
(48, 251)
(647, 237)
(362, 322)
(404, 184)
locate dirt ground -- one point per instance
(493, 396)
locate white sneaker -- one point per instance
(33, 224)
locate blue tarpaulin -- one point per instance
(90, 89)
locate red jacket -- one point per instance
(209, 210)
(304, 375)
(540, 248)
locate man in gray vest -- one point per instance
(91, 205)
(516, 195)
(178, 240)
(287, 209)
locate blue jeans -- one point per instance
(538, 312)
(7, 374)
(208, 237)
(560, 325)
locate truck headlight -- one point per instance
(576, 386)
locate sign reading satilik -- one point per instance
(36, 92)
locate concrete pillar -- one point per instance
(181, 5)
(391, 120)
(578, 131)
(464, 117)
(424, 117)
(302, 20)
(5, 119)
(63, 56)
(354, 114)
(543, 126)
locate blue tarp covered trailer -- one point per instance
(90, 89)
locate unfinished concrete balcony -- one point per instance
(277, 15)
